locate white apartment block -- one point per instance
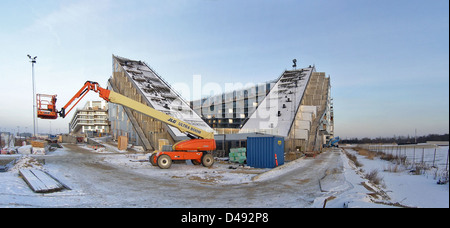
(93, 117)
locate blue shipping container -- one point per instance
(265, 152)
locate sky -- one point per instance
(388, 60)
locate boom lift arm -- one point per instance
(117, 98)
(194, 149)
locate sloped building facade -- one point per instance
(136, 80)
(296, 106)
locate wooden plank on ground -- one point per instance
(49, 182)
(35, 184)
(39, 181)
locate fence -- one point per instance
(425, 155)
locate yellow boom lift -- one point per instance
(195, 149)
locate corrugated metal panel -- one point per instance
(261, 152)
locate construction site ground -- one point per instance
(111, 178)
(114, 179)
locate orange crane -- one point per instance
(196, 149)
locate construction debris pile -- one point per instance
(26, 162)
(39, 147)
(36, 147)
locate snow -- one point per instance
(104, 180)
(265, 117)
(221, 173)
(278, 171)
(399, 188)
(428, 155)
(26, 162)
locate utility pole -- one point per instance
(415, 135)
(33, 61)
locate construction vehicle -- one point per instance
(46, 106)
(195, 149)
(333, 142)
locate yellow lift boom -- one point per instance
(193, 149)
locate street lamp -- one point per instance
(33, 61)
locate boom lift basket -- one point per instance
(46, 106)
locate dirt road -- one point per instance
(96, 184)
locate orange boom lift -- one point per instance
(196, 149)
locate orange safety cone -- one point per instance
(276, 160)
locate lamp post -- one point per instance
(33, 61)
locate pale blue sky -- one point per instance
(388, 59)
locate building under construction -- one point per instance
(296, 106)
(138, 81)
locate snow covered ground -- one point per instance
(401, 188)
(270, 115)
(111, 178)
